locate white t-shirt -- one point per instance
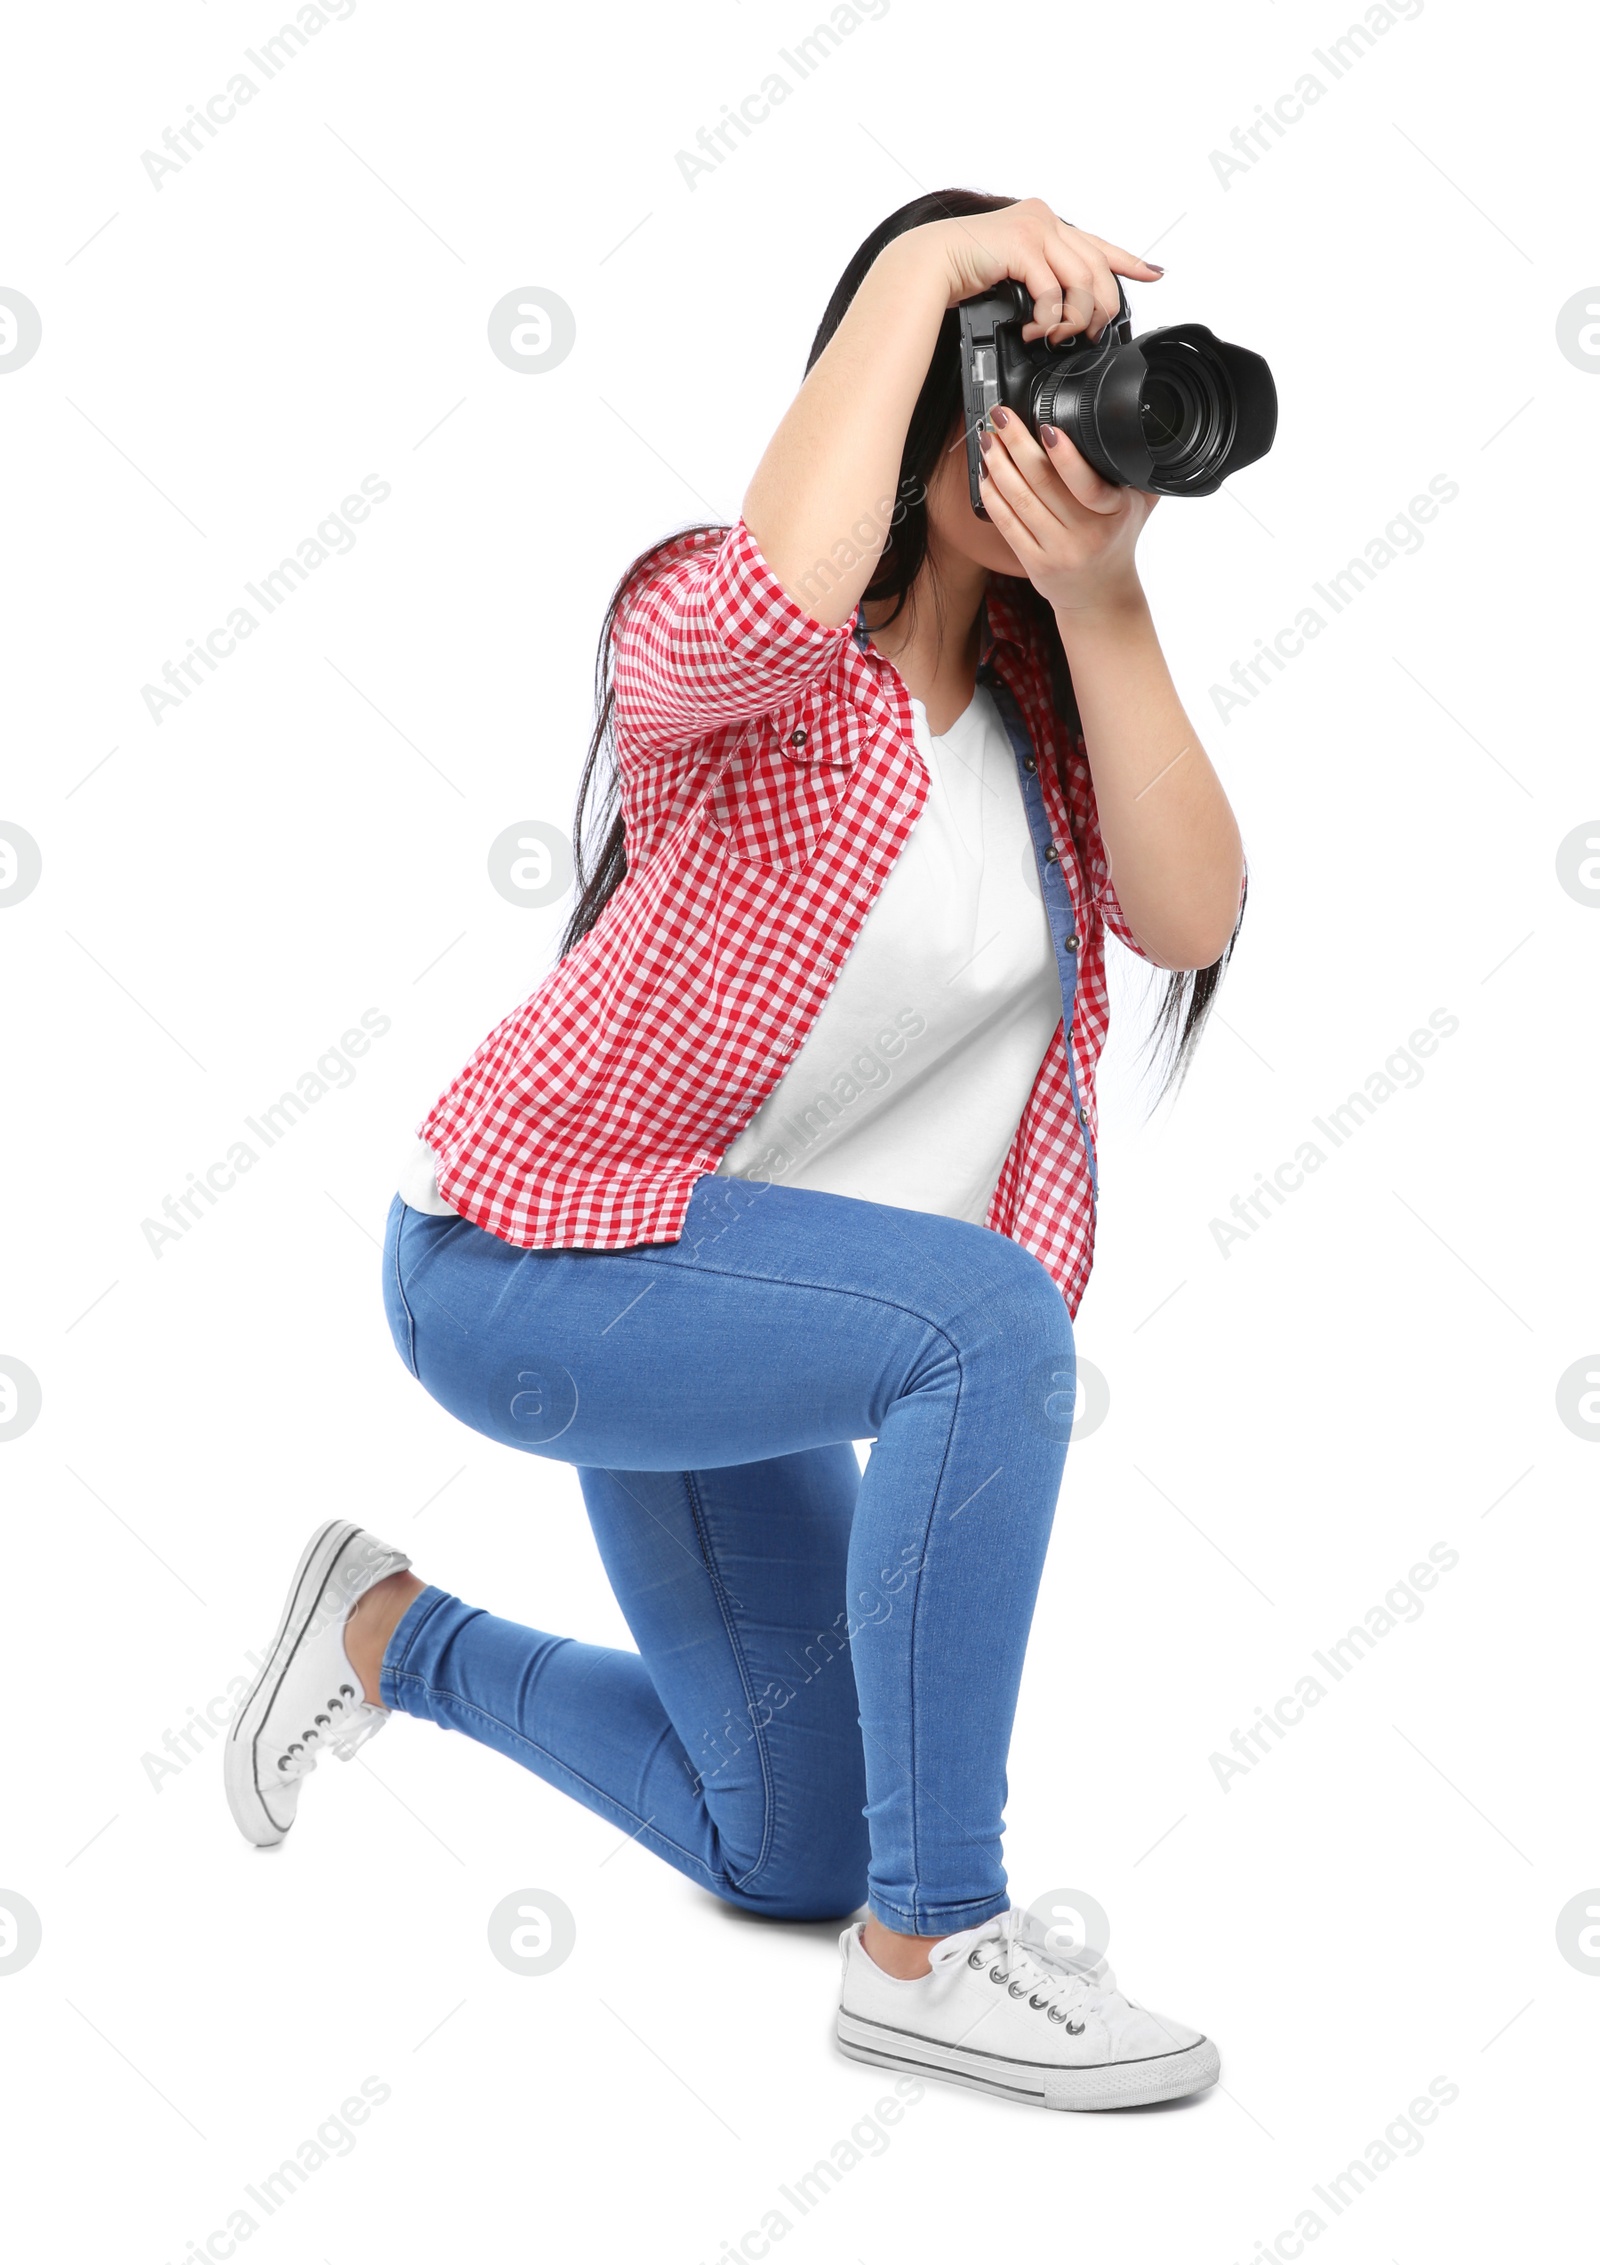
(911, 1081)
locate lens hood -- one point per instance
(1242, 399)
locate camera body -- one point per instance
(1172, 412)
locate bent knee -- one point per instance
(811, 1886)
(1016, 1303)
(816, 1868)
(797, 1900)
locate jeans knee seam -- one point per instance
(730, 1626)
(916, 1606)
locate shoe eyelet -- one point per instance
(347, 1690)
(1039, 2005)
(975, 1960)
(1051, 2014)
(1016, 1989)
(1074, 2028)
(995, 1974)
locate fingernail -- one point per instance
(1154, 270)
(998, 416)
(986, 442)
(1049, 435)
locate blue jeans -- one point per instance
(821, 1701)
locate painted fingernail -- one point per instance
(1154, 270)
(1049, 435)
(986, 442)
(999, 417)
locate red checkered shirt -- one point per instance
(769, 778)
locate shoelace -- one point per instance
(1016, 1951)
(340, 1728)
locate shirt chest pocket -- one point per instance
(776, 799)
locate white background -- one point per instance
(1291, 1426)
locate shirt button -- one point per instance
(1083, 1116)
(1072, 943)
(798, 737)
(1052, 854)
(1029, 763)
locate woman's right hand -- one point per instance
(1069, 274)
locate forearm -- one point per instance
(1177, 863)
(823, 495)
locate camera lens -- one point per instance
(1186, 413)
(1161, 415)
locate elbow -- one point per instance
(1202, 947)
(1184, 920)
(1197, 938)
(1216, 933)
(1184, 958)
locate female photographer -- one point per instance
(793, 1147)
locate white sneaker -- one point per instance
(1002, 2011)
(307, 1700)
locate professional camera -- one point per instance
(1173, 412)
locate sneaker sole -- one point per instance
(245, 1797)
(1113, 2084)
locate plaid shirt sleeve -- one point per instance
(1116, 919)
(713, 639)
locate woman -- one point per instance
(794, 1146)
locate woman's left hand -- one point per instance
(1073, 532)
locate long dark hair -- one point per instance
(1188, 993)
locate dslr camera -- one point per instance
(1173, 412)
